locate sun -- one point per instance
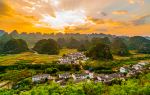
(63, 19)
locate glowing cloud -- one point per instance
(136, 1)
(82, 16)
(120, 12)
(63, 19)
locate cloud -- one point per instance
(33, 7)
(140, 30)
(136, 2)
(107, 22)
(4, 8)
(120, 12)
(92, 8)
(79, 15)
(141, 20)
(96, 20)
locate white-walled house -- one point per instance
(142, 63)
(64, 76)
(79, 76)
(137, 67)
(41, 77)
(73, 58)
(91, 75)
(83, 76)
(123, 70)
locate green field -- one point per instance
(32, 58)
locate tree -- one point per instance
(2, 32)
(84, 45)
(73, 43)
(144, 48)
(45, 46)
(136, 41)
(118, 47)
(61, 42)
(100, 51)
(51, 70)
(15, 46)
(4, 38)
(95, 41)
(14, 33)
(104, 40)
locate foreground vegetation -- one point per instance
(20, 74)
(140, 86)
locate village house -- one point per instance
(79, 76)
(59, 80)
(73, 58)
(101, 78)
(42, 77)
(117, 75)
(137, 67)
(123, 69)
(88, 74)
(91, 75)
(110, 77)
(107, 78)
(142, 63)
(133, 73)
(64, 76)
(104, 78)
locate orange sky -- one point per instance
(118, 17)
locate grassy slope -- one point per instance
(32, 58)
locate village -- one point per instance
(75, 58)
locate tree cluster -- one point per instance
(46, 46)
(118, 47)
(141, 44)
(100, 51)
(15, 46)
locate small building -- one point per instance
(116, 75)
(101, 78)
(91, 75)
(42, 77)
(142, 63)
(123, 70)
(137, 67)
(132, 73)
(64, 76)
(79, 76)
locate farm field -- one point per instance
(33, 58)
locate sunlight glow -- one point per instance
(65, 18)
(56, 2)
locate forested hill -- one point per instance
(77, 39)
(32, 38)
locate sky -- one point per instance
(116, 17)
